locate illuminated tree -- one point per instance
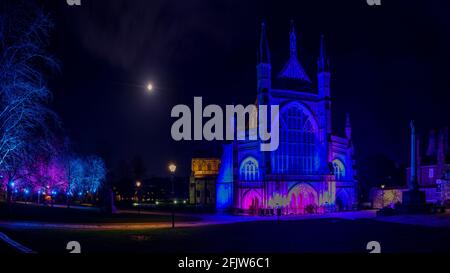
(75, 175)
(95, 173)
(85, 176)
(24, 115)
(29, 157)
(46, 175)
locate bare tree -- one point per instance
(24, 63)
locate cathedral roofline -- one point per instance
(293, 70)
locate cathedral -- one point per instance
(312, 170)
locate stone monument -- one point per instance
(414, 200)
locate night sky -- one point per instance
(390, 64)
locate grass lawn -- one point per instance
(5, 249)
(316, 235)
(23, 212)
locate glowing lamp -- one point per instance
(172, 167)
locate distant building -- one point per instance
(155, 189)
(387, 197)
(433, 173)
(443, 188)
(434, 164)
(202, 186)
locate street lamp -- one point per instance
(382, 196)
(172, 169)
(138, 187)
(11, 191)
(278, 213)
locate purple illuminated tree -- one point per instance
(47, 175)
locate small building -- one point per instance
(202, 186)
(386, 197)
(443, 189)
(433, 165)
(433, 173)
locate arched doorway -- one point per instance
(342, 201)
(302, 196)
(251, 202)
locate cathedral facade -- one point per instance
(313, 169)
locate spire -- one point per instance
(419, 156)
(431, 150)
(413, 183)
(263, 68)
(348, 127)
(441, 147)
(293, 70)
(264, 52)
(445, 132)
(293, 40)
(323, 63)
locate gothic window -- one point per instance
(249, 170)
(297, 152)
(339, 169)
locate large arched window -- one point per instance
(297, 153)
(339, 169)
(249, 170)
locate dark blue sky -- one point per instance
(390, 64)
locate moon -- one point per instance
(149, 87)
